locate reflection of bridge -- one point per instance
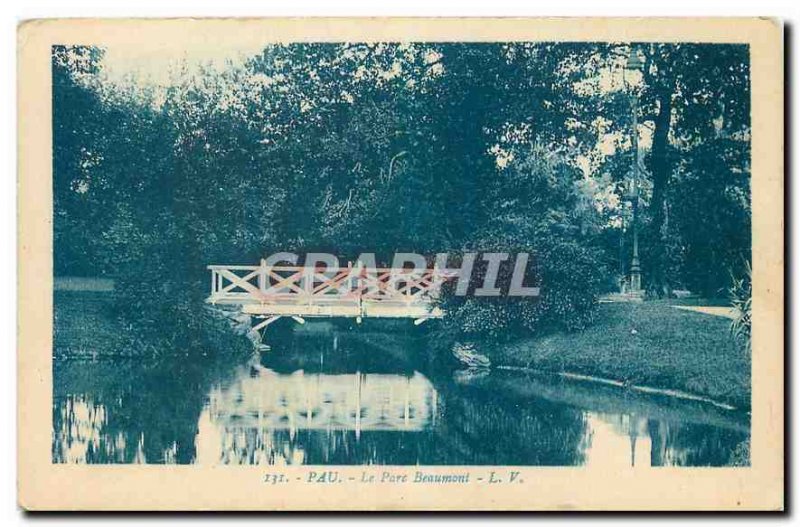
(302, 401)
(271, 292)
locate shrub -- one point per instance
(741, 294)
(541, 210)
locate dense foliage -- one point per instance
(404, 147)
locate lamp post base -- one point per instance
(636, 283)
(636, 276)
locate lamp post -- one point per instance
(634, 64)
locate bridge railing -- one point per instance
(242, 284)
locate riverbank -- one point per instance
(651, 344)
(87, 325)
(648, 344)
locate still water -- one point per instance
(340, 399)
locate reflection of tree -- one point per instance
(666, 442)
(658, 431)
(699, 445)
(483, 427)
(131, 413)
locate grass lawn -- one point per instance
(83, 325)
(649, 343)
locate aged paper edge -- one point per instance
(44, 486)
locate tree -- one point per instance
(427, 147)
(78, 141)
(693, 92)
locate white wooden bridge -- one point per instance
(356, 291)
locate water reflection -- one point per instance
(300, 401)
(617, 440)
(266, 417)
(348, 401)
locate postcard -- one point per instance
(401, 264)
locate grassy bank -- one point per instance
(650, 343)
(84, 327)
(87, 324)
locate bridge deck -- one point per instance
(354, 291)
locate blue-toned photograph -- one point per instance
(402, 253)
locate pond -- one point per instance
(344, 398)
